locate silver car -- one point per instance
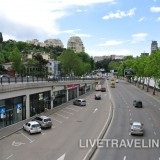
(32, 127)
(80, 102)
(136, 128)
(44, 121)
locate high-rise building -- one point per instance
(75, 43)
(1, 38)
(54, 43)
(154, 46)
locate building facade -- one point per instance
(75, 43)
(154, 46)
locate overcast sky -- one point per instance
(106, 27)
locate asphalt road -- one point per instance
(72, 127)
(142, 147)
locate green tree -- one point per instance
(40, 64)
(70, 63)
(15, 57)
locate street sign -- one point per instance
(128, 72)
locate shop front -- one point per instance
(12, 110)
(82, 90)
(73, 91)
(39, 102)
(59, 97)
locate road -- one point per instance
(72, 127)
(118, 132)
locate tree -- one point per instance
(15, 57)
(70, 63)
(40, 64)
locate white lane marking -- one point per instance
(62, 157)
(129, 110)
(130, 119)
(76, 110)
(43, 134)
(95, 110)
(27, 137)
(159, 108)
(57, 120)
(53, 127)
(124, 158)
(100, 132)
(17, 144)
(155, 133)
(61, 115)
(9, 156)
(67, 112)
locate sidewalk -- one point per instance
(150, 92)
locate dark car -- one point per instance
(137, 103)
(103, 89)
(97, 97)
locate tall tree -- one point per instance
(15, 57)
(70, 63)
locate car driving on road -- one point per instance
(32, 127)
(136, 128)
(97, 97)
(79, 102)
(103, 89)
(137, 103)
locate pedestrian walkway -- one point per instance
(150, 92)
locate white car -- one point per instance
(117, 80)
(32, 127)
(80, 102)
(136, 128)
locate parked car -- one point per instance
(136, 128)
(52, 78)
(32, 127)
(137, 103)
(97, 97)
(79, 102)
(4, 76)
(44, 121)
(103, 89)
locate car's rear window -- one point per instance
(47, 120)
(35, 125)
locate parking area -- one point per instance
(21, 139)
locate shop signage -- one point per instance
(2, 112)
(71, 86)
(19, 108)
